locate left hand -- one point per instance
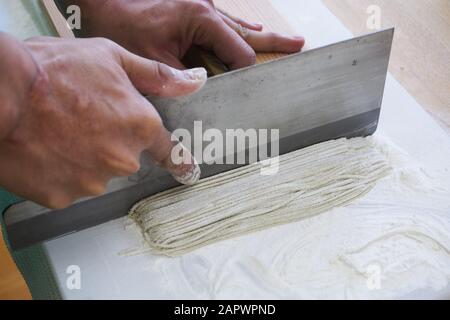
(164, 30)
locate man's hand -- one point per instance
(85, 121)
(164, 30)
(17, 73)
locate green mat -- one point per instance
(32, 262)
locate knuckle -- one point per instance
(126, 168)
(120, 165)
(272, 36)
(124, 165)
(58, 201)
(104, 41)
(92, 187)
(107, 44)
(133, 167)
(161, 71)
(41, 86)
(249, 58)
(201, 8)
(274, 41)
(162, 76)
(96, 189)
(147, 124)
(152, 121)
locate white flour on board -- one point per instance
(390, 243)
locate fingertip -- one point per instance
(245, 59)
(300, 39)
(193, 80)
(182, 165)
(197, 75)
(256, 26)
(179, 83)
(170, 154)
(291, 44)
(190, 176)
(300, 42)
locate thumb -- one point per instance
(158, 79)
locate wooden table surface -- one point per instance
(420, 62)
(12, 285)
(420, 58)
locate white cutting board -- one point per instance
(107, 275)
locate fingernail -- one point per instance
(183, 166)
(300, 38)
(258, 25)
(197, 74)
(190, 177)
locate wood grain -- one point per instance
(12, 285)
(420, 58)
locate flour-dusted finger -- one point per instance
(168, 152)
(155, 78)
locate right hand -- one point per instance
(165, 30)
(85, 121)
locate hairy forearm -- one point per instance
(17, 74)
